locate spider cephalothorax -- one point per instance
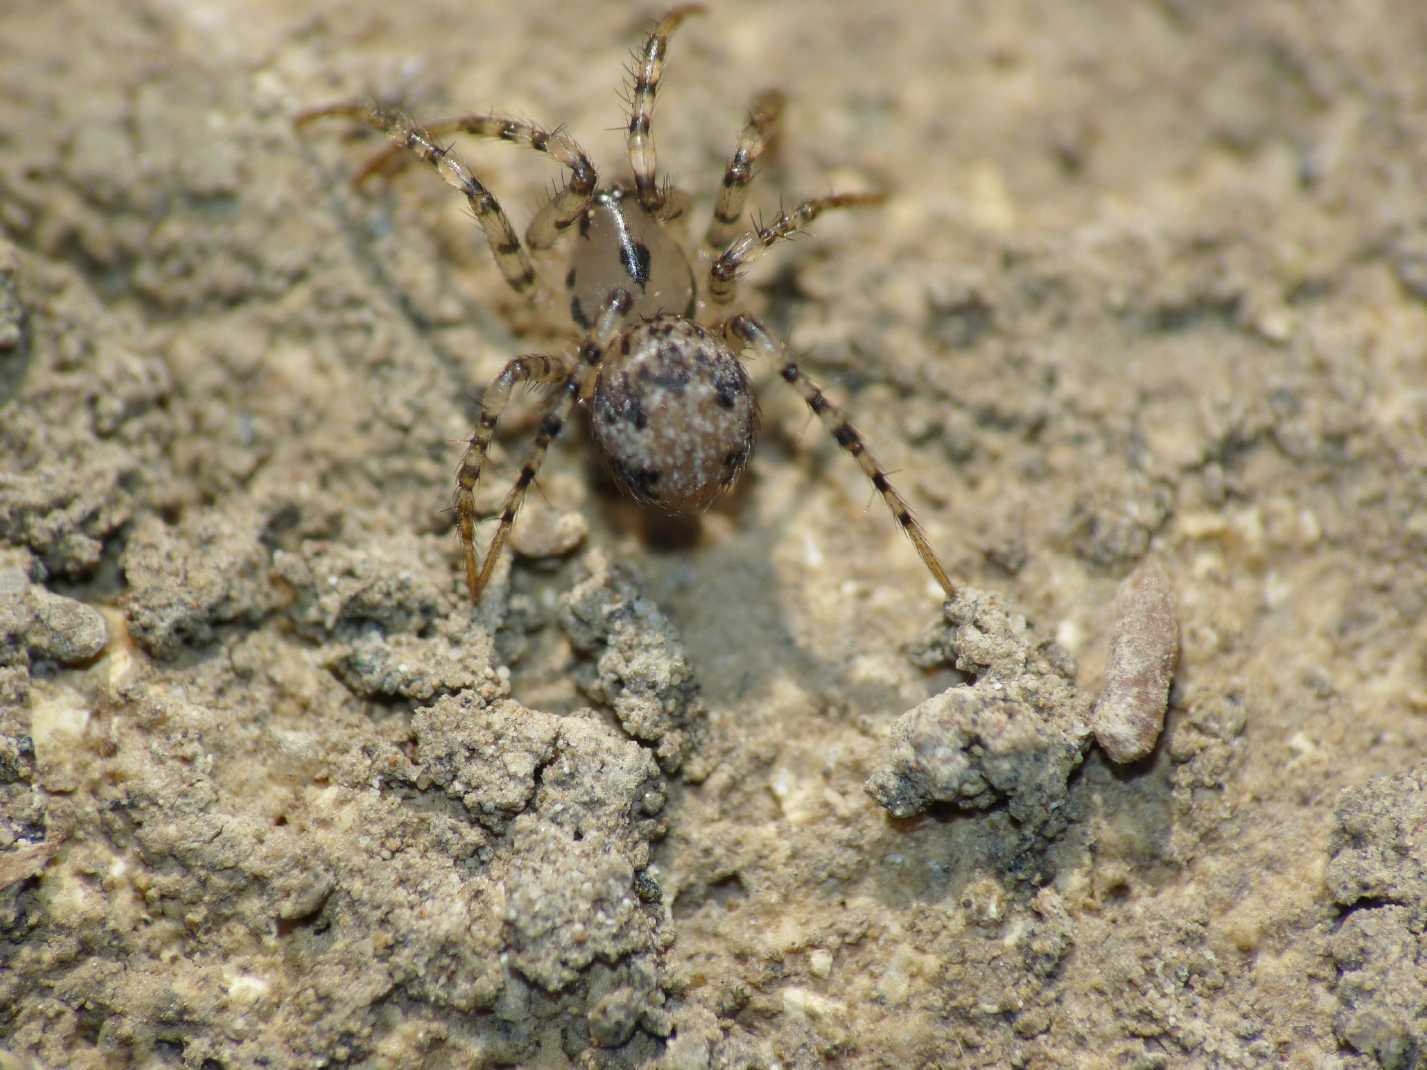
(657, 362)
(621, 243)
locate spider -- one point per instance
(658, 366)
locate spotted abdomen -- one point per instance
(674, 412)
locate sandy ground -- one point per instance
(1151, 284)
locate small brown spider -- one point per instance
(670, 403)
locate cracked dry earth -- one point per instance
(1150, 290)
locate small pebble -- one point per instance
(546, 533)
(820, 962)
(65, 630)
(1144, 648)
(45, 624)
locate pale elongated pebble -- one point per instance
(1144, 647)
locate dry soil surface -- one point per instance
(1150, 286)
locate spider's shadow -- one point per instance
(660, 533)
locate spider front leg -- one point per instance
(759, 134)
(510, 255)
(579, 378)
(744, 250)
(564, 207)
(643, 160)
(750, 332)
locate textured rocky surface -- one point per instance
(1149, 284)
(1013, 734)
(1377, 876)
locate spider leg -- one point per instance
(642, 157)
(750, 332)
(759, 134)
(532, 368)
(748, 247)
(564, 207)
(577, 382)
(510, 255)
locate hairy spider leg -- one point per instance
(643, 160)
(510, 255)
(532, 368)
(748, 247)
(750, 332)
(564, 207)
(577, 384)
(760, 133)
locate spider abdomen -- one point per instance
(674, 412)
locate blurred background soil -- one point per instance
(1151, 281)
